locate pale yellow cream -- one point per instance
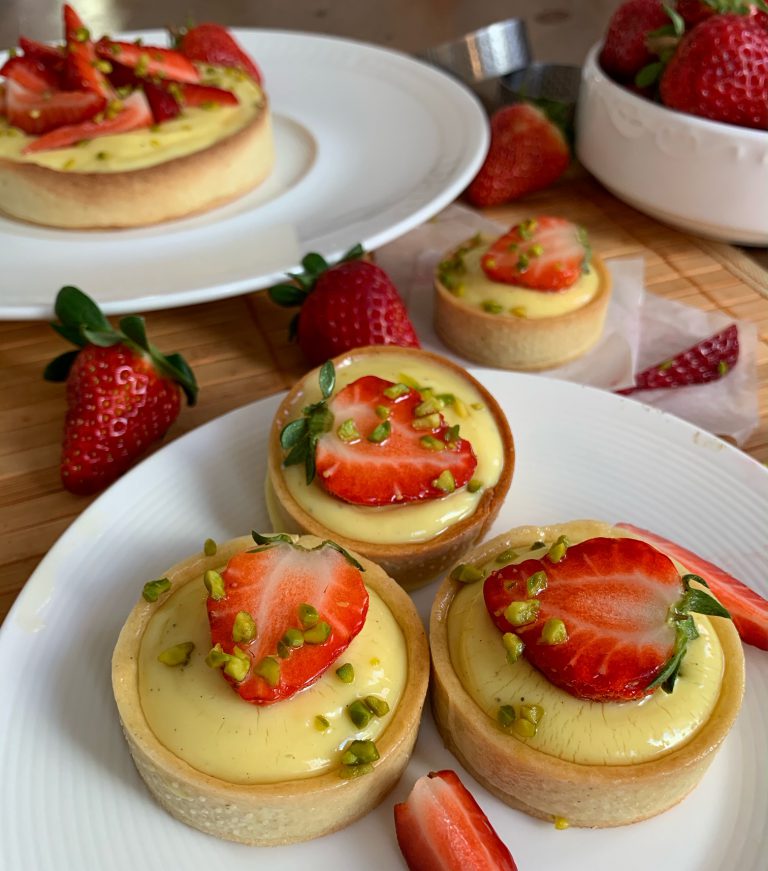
(198, 716)
(589, 733)
(417, 521)
(193, 130)
(475, 289)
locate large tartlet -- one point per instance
(190, 164)
(269, 813)
(411, 563)
(544, 785)
(509, 338)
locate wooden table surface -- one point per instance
(239, 351)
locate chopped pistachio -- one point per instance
(492, 307)
(293, 638)
(238, 665)
(102, 155)
(506, 716)
(514, 646)
(429, 421)
(308, 615)
(359, 713)
(554, 631)
(431, 443)
(216, 657)
(283, 651)
(446, 398)
(722, 367)
(445, 481)
(534, 713)
(428, 406)
(382, 411)
(409, 381)
(359, 751)
(214, 583)
(244, 627)
(523, 262)
(210, 547)
(396, 390)
(538, 544)
(381, 433)
(348, 431)
(524, 728)
(460, 408)
(269, 669)
(82, 34)
(520, 613)
(179, 654)
(322, 724)
(318, 634)
(537, 583)
(506, 556)
(478, 406)
(351, 771)
(536, 250)
(558, 550)
(377, 706)
(153, 589)
(452, 434)
(518, 311)
(474, 485)
(561, 823)
(69, 164)
(103, 66)
(466, 573)
(346, 672)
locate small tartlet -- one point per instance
(289, 811)
(412, 564)
(546, 786)
(506, 341)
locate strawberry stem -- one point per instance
(303, 283)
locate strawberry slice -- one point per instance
(32, 74)
(705, 361)
(544, 253)
(214, 44)
(748, 609)
(203, 95)
(82, 67)
(51, 56)
(147, 61)
(162, 103)
(440, 827)
(37, 112)
(381, 458)
(132, 113)
(614, 596)
(269, 585)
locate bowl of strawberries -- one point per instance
(673, 114)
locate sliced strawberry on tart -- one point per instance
(533, 298)
(275, 681)
(581, 675)
(403, 455)
(199, 132)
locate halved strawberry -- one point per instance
(270, 585)
(51, 56)
(130, 114)
(543, 253)
(202, 95)
(32, 74)
(161, 101)
(148, 60)
(82, 65)
(214, 44)
(624, 610)
(748, 609)
(37, 112)
(440, 827)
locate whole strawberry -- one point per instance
(720, 71)
(695, 11)
(625, 47)
(122, 393)
(345, 306)
(527, 153)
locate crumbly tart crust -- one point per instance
(274, 813)
(545, 786)
(525, 344)
(411, 565)
(177, 188)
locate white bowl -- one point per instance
(708, 178)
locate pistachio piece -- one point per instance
(382, 411)
(317, 634)
(432, 405)
(506, 716)
(524, 728)
(351, 771)
(359, 713)
(214, 583)
(283, 651)
(244, 627)
(396, 390)
(238, 664)
(308, 615)
(381, 433)
(520, 613)
(474, 485)
(345, 672)
(537, 583)
(431, 443)
(445, 481)
(452, 434)
(322, 724)
(506, 556)
(348, 431)
(465, 573)
(216, 657)
(492, 307)
(533, 713)
(537, 545)
(153, 589)
(293, 638)
(429, 421)
(269, 669)
(210, 547)
(558, 550)
(553, 631)
(514, 645)
(378, 707)
(359, 751)
(179, 654)
(460, 408)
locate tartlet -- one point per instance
(281, 811)
(524, 332)
(411, 562)
(545, 785)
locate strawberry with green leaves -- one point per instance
(281, 615)
(377, 442)
(544, 253)
(122, 393)
(606, 620)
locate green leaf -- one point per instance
(354, 253)
(134, 328)
(320, 421)
(71, 334)
(74, 308)
(58, 369)
(310, 461)
(271, 539)
(287, 295)
(293, 328)
(102, 338)
(297, 454)
(345, 553)
(649, 74)
(327, 379)
(292, 433)
(678, 22)
(668, 675)
(178, 368)
(702, 603)
(314, 264)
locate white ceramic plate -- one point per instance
(370, 143)
(71, 798)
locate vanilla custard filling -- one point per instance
(572, 729)
(476, 290)
(197, 715)
(414, 521)
(193, 130)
